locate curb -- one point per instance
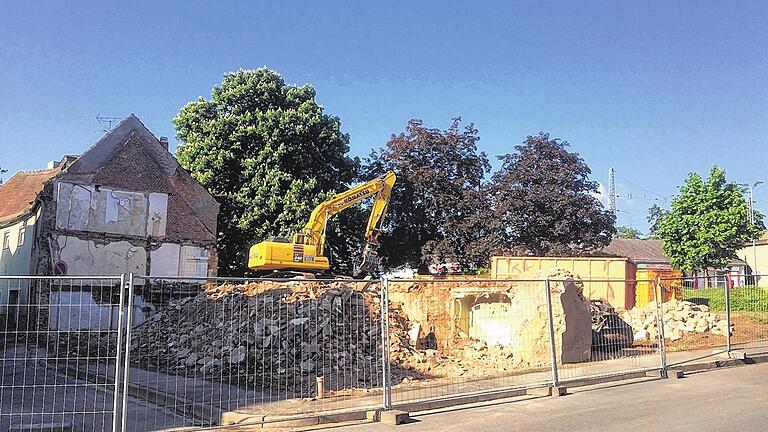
(719, 364)
(239, 418)
(217, 417)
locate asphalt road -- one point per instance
(723, 400)
(33, 394)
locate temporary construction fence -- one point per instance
(135, 353)
(42, 381)
(716, 304)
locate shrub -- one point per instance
(743, 299)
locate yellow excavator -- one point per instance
(304, 255)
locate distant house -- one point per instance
(644, 253)
(124, 205)
(19, 216)
(650, 260)
(757, 257)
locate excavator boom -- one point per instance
(305, 251)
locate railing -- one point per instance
(143, 353)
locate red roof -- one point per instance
(18, 194)
(641, 250)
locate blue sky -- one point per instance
(653, 89)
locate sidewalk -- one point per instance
(203, 397)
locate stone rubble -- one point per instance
(283, 335)
(679, 318)
(276, 334)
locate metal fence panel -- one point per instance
(749, 314)
(199, 353)
(623, 340)
(46, 334)
(696, 318)
(222, 351)
(458, 337)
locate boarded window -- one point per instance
(194, 262)
(22, 233)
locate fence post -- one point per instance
(728, 314)
(117, 405)
(659, 297)
(387, 397)
(127, 356)
(551, 328)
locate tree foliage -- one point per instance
(708, 222)
(624, 232)
(268, 153)
(655, 215)
(438, 205)
(545, 203)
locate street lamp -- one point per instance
(752, 219)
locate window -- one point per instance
(7, 240)
(22, 233)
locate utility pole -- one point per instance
(612, 191)
(752, 220)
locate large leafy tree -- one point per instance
(708, 222)
(268, 153)
(438, 203)
(545, 203)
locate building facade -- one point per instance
(124, 205)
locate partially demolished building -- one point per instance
(124, 205)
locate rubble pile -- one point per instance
(284, 335)
(679, 317)
(277, 334)
(453, 353)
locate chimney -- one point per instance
(164, 142)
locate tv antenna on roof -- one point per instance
(106, 122)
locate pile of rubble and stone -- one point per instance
(436, 346)
(277, 334)
(679, 318)
(284, 335)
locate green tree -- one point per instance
(268, 153)
(624, 232)
(545, 203)
(708, 222)
(655, 214)
(437, 210)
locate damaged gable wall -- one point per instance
(129, 211)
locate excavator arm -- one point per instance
(305, 252)
(380, 188)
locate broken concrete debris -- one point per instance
(286, 335)
(268, 333)
(679, 318)
(571, 316)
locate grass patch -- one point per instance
(743, 299)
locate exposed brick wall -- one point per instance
(133, 168)
(198, 199)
